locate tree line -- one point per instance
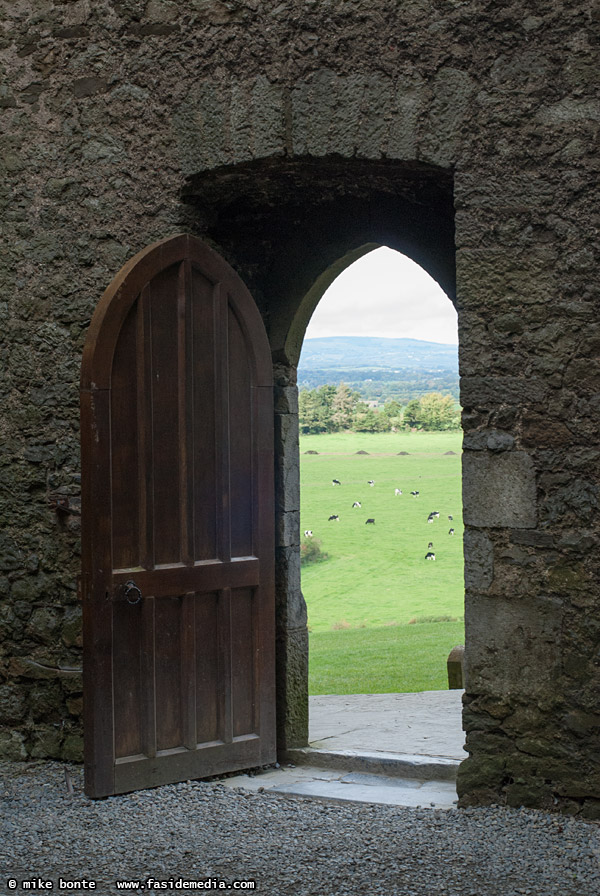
(384, 385)
(333, 408)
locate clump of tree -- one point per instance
(334, 408)
(314, 407)
(432, 412)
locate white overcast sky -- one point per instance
(385, 293)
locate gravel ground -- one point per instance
(201, 831)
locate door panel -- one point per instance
(204, 461)
(178, 550)
(125, 469)
(128, 654)
(169, 621)
(207, 667)
(240, 405)
(167, 397)
(243, 671)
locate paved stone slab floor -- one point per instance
(409, 727)
(426, 724)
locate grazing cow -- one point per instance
(451, 532)
(308, 533)
(335, 517)
(335, 482)
(414, 494)
(357, 504)
(371, 520)
(371, 482)
(450, 517)
(430, 555)
(430, 546)
(398, 492)
(430, 518)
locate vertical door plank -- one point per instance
(165, 415)
(169, 731)
(98, 706)
(224, 667)
(143, 382)
(207, 667)
(242, 662)
(242, 496)
(203, 419)
(148, 676)
(128, 685)
(125, 486)
(185, 399)
(188, 671)
(222, 424)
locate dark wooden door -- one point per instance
(177, 514)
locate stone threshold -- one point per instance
(391, 765)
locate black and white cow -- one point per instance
(335, 482)
(371, 482)
(398, 492)
(430, 555)
(308, 533)
(357, 504)
(335, 517)
(451, 532)
(370, 520)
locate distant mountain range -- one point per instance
(376, 353)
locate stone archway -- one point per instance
(291, 226)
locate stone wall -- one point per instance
(290, 135)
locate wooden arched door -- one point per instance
(177, 516)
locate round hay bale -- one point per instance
(361, 452)
(311, 452)
(449, 452)
(402, 453)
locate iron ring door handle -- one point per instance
(131, 589)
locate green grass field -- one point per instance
(362, 600)
(393, 660)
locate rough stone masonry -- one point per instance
(293, 136)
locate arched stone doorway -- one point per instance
(290, 227)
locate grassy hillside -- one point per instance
(376, 575)
(380, 368)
